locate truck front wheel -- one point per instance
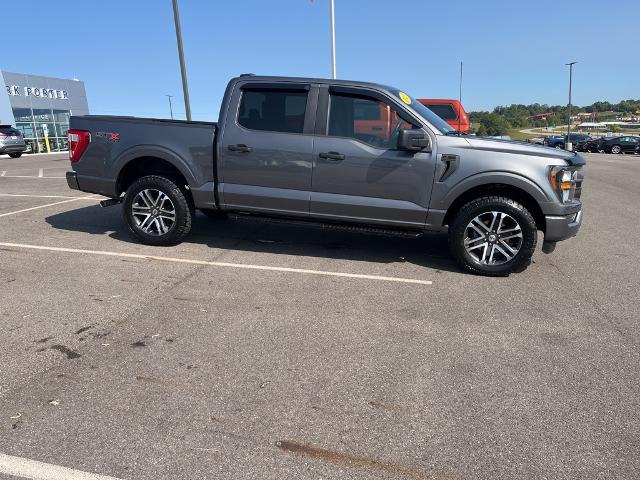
(157, 211)
(493, 236)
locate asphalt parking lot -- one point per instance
(267, 351)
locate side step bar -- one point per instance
(368, 229)
(110, 202)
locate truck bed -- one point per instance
(117, 140)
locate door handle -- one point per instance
(241, 147)
(332, 156)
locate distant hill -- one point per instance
(515, 116)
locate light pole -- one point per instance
(170, 107)
(333, 40)
(460, 100)
(183, 68)
(568, 145)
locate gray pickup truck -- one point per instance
(351, 154)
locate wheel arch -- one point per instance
(139, 162)
(523, 195)
(149, 165)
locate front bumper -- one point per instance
(72, 180)
(12, 148)
(561, 227)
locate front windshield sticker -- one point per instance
(405, 98)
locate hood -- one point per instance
(523, 148)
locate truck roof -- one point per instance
(355, 83)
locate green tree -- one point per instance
(492, 124)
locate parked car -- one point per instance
(590, 145)
(559, 142)
(585, 145)
(11, 141)
(622, 144)
(451, 111)
(552, 140)
(292, 148)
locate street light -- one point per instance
(170, 107)
(333, 40)
(183, 68)
(568, 145)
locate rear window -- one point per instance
(8, 130)
(274, 110)
(444, 110)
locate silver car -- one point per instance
(11, 141)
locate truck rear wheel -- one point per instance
(157, 211)
(493, 236)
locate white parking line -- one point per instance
(34, 470)
(218, 264)
(26, 176)
(43, 196)
(45, 206)
(40, 172)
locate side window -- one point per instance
(444, 110)
(366, 119)
(273, 110)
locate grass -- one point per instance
(516, 134)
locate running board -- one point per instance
(368, 229)
(110, 202)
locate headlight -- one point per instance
(567, 182)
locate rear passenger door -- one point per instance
(267, 147)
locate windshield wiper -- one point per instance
(456, 132)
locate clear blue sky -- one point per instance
(513, 50)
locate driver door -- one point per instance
(358, 173)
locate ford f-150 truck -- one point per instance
(300, 149)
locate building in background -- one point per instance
(40, 108)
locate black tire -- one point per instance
(15, 155)
(214, 214)
(616, 147)
(176, 198)
(515, 212)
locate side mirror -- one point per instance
(414, 140)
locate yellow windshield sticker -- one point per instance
(405, 98)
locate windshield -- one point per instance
(424, 112)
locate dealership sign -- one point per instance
(16, 91)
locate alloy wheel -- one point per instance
(153, 211)
(493, 238)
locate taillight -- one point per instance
(79, 140)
